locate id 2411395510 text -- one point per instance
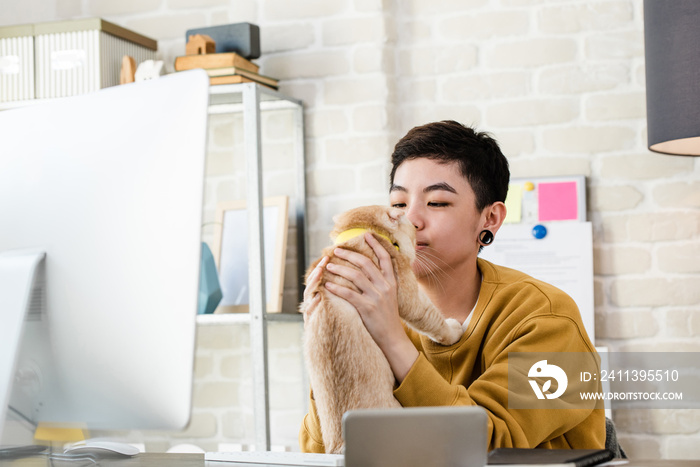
(631, 375)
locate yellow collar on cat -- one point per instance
(352, 233)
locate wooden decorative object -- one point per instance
(128, 71)
(200, 44)
(242, 38)
(217, 60)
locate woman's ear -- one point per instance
(494, 215)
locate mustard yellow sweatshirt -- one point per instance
(514, 313)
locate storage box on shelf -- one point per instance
(16, 63)
(80, 56)
(66, 58)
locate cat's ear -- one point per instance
(334, 232)
(395, 214)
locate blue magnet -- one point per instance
(539, 231)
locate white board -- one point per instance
(563, 258)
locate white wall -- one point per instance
(560, 83)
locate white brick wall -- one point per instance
(559, 82)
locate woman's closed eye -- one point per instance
(435, 204)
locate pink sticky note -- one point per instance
(557, 201)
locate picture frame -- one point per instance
(230, 250)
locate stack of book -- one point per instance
(225, 68)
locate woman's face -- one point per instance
(441, 204)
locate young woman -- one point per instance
(452, 181)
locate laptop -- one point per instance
(416, 436)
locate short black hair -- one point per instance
(479, 157)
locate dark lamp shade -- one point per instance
(672, 57)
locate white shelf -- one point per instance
(244, 318)
(224, 98)
(25, 103)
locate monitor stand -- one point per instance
(18, 270)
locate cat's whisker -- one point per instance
(431, 260)
(423, 268)
(431, 269)
(428, 266)
(439, 274)
(439, 267)
(427, 252)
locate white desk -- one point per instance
(197, 460)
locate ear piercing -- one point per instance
(486, 237)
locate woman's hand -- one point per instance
(311, 296)
(376, 302)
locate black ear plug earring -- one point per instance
(486, 237)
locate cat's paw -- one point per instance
(453, 332)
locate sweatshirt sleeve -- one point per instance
(525, 428)
(310, 439)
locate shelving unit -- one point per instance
(251, 100)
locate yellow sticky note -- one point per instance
(63, 433)
(514, 204)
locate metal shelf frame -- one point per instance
(252, 99)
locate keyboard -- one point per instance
(277, 458)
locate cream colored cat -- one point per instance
(347, 370)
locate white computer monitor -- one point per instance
(100, 241)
